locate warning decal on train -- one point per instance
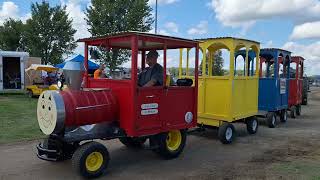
(283, 87)
(149, 106)
(149, 109)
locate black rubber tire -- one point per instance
(222, 133)
(163, 150)
(298, 110)
(283, 115)
(293, 112)
(305, 102)
(252, 125)
(80, 155)
(133, 142)
(272, 119)
(30, 94)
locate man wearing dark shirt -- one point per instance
(152, 75)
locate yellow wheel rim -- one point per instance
(174, 139)
(94, 161)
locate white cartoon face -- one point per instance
(50, 113)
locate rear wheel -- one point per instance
(293, 112)
(283, 115)
(298, 110)
(305, 101)
(271, 119)
(133, 142)
(30, 94)
(226, 133)
(171, 144)
(252, 125)
(91, 159)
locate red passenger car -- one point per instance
(296, 85)
(119, 108)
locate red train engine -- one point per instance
(118, 108)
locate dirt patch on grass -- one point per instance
(294, 149)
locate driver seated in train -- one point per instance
(99, 73)
(152, 75)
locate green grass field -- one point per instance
(18, 120)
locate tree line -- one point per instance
(49, 33)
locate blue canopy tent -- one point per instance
(79, 58)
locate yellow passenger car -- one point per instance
(232, 94)
(34, 73)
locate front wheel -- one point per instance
(283, 115)
(252, 125)
(226, 133)
(91, 159)
(171, 144)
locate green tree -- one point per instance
(49, 33)
(11, 35)
(217, 67)
(217, 64)
(105, 17)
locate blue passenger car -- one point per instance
(274, 84)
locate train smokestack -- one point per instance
(73, 73)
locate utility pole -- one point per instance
(156, 21)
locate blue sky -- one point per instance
(271, 22)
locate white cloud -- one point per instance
(78, 1)
(82, 2)
(73, 8)
(8, 10)
(171, 26)
(25, 17)
(161, 2)
(310, 52)
(267, 44)
(201, 28)
(151, 31)
(243, 13)
(160, 31)
(78, 17)
(164, 32)
(306, 30)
